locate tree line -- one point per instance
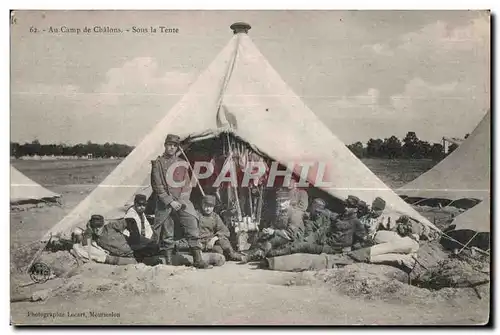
(105, 150)
(410, 147)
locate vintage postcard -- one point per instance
(250, 167)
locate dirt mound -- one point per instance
(379, 282)
(457, 273)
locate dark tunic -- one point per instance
(165, 217)
(111, 238)
(211, 226)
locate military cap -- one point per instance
(319, 201)
(352, 201)
(282, 194)
(378, 204)
(171, 138)
(140, 199)
(209, 200)
(96, 221)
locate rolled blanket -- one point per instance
(186, 259)
(305, 262)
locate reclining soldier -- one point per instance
(335, 233)
(287, 227)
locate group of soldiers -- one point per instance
(293, 230)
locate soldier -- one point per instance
(214, 234)
(373, 220)
(173, 204)
(318, 217)
(334, 233)
(109, 236)
(298, 197)
(286, 228)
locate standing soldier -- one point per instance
(173, 205)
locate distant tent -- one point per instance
(471, 228)
(23, 190)
(462, 179)
(241, 94)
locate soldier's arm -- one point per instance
(118, 225)
(186, 189)
(220, 228)
(295, 223)
(303, 201)
(157, 184)
(87, 236)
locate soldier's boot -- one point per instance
(331, 250)
(198, 261)
(254, 255)
(234, 256)
(223, 246)
(166, 257)
(287, 250)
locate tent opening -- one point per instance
(256, 199)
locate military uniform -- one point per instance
(288, 228)
(335, 234)
(299, 199)
(165, 216)
(211, 226)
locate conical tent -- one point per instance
(464, 174)
(472, 228)
(23, 190)
(241, 93)
(476, 219)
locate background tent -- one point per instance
(462, 179)
(241, 93)
(472, 228)
(23, 190)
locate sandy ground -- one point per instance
(232, 294)
(241, 294)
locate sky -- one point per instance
(365, 74)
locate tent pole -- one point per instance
(468, 242)
(194, 174)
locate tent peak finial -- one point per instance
(240, 27)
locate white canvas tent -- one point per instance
(23, 190)
(240, 92)
(472, 228)
(464, 174)
(476, 219)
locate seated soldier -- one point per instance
(317, 218)
(363, 208)
(287, 227)
(139, 232)
(111, 238)
(108, 236)
(299, 199)
(373, 220)
(336, 233)
(214, 234)
(359, 205)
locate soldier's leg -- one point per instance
(217, 249)
(274, 242)
(181, 245)
(264, 247)
(225, 245)
(189, 224)
(164, 230)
